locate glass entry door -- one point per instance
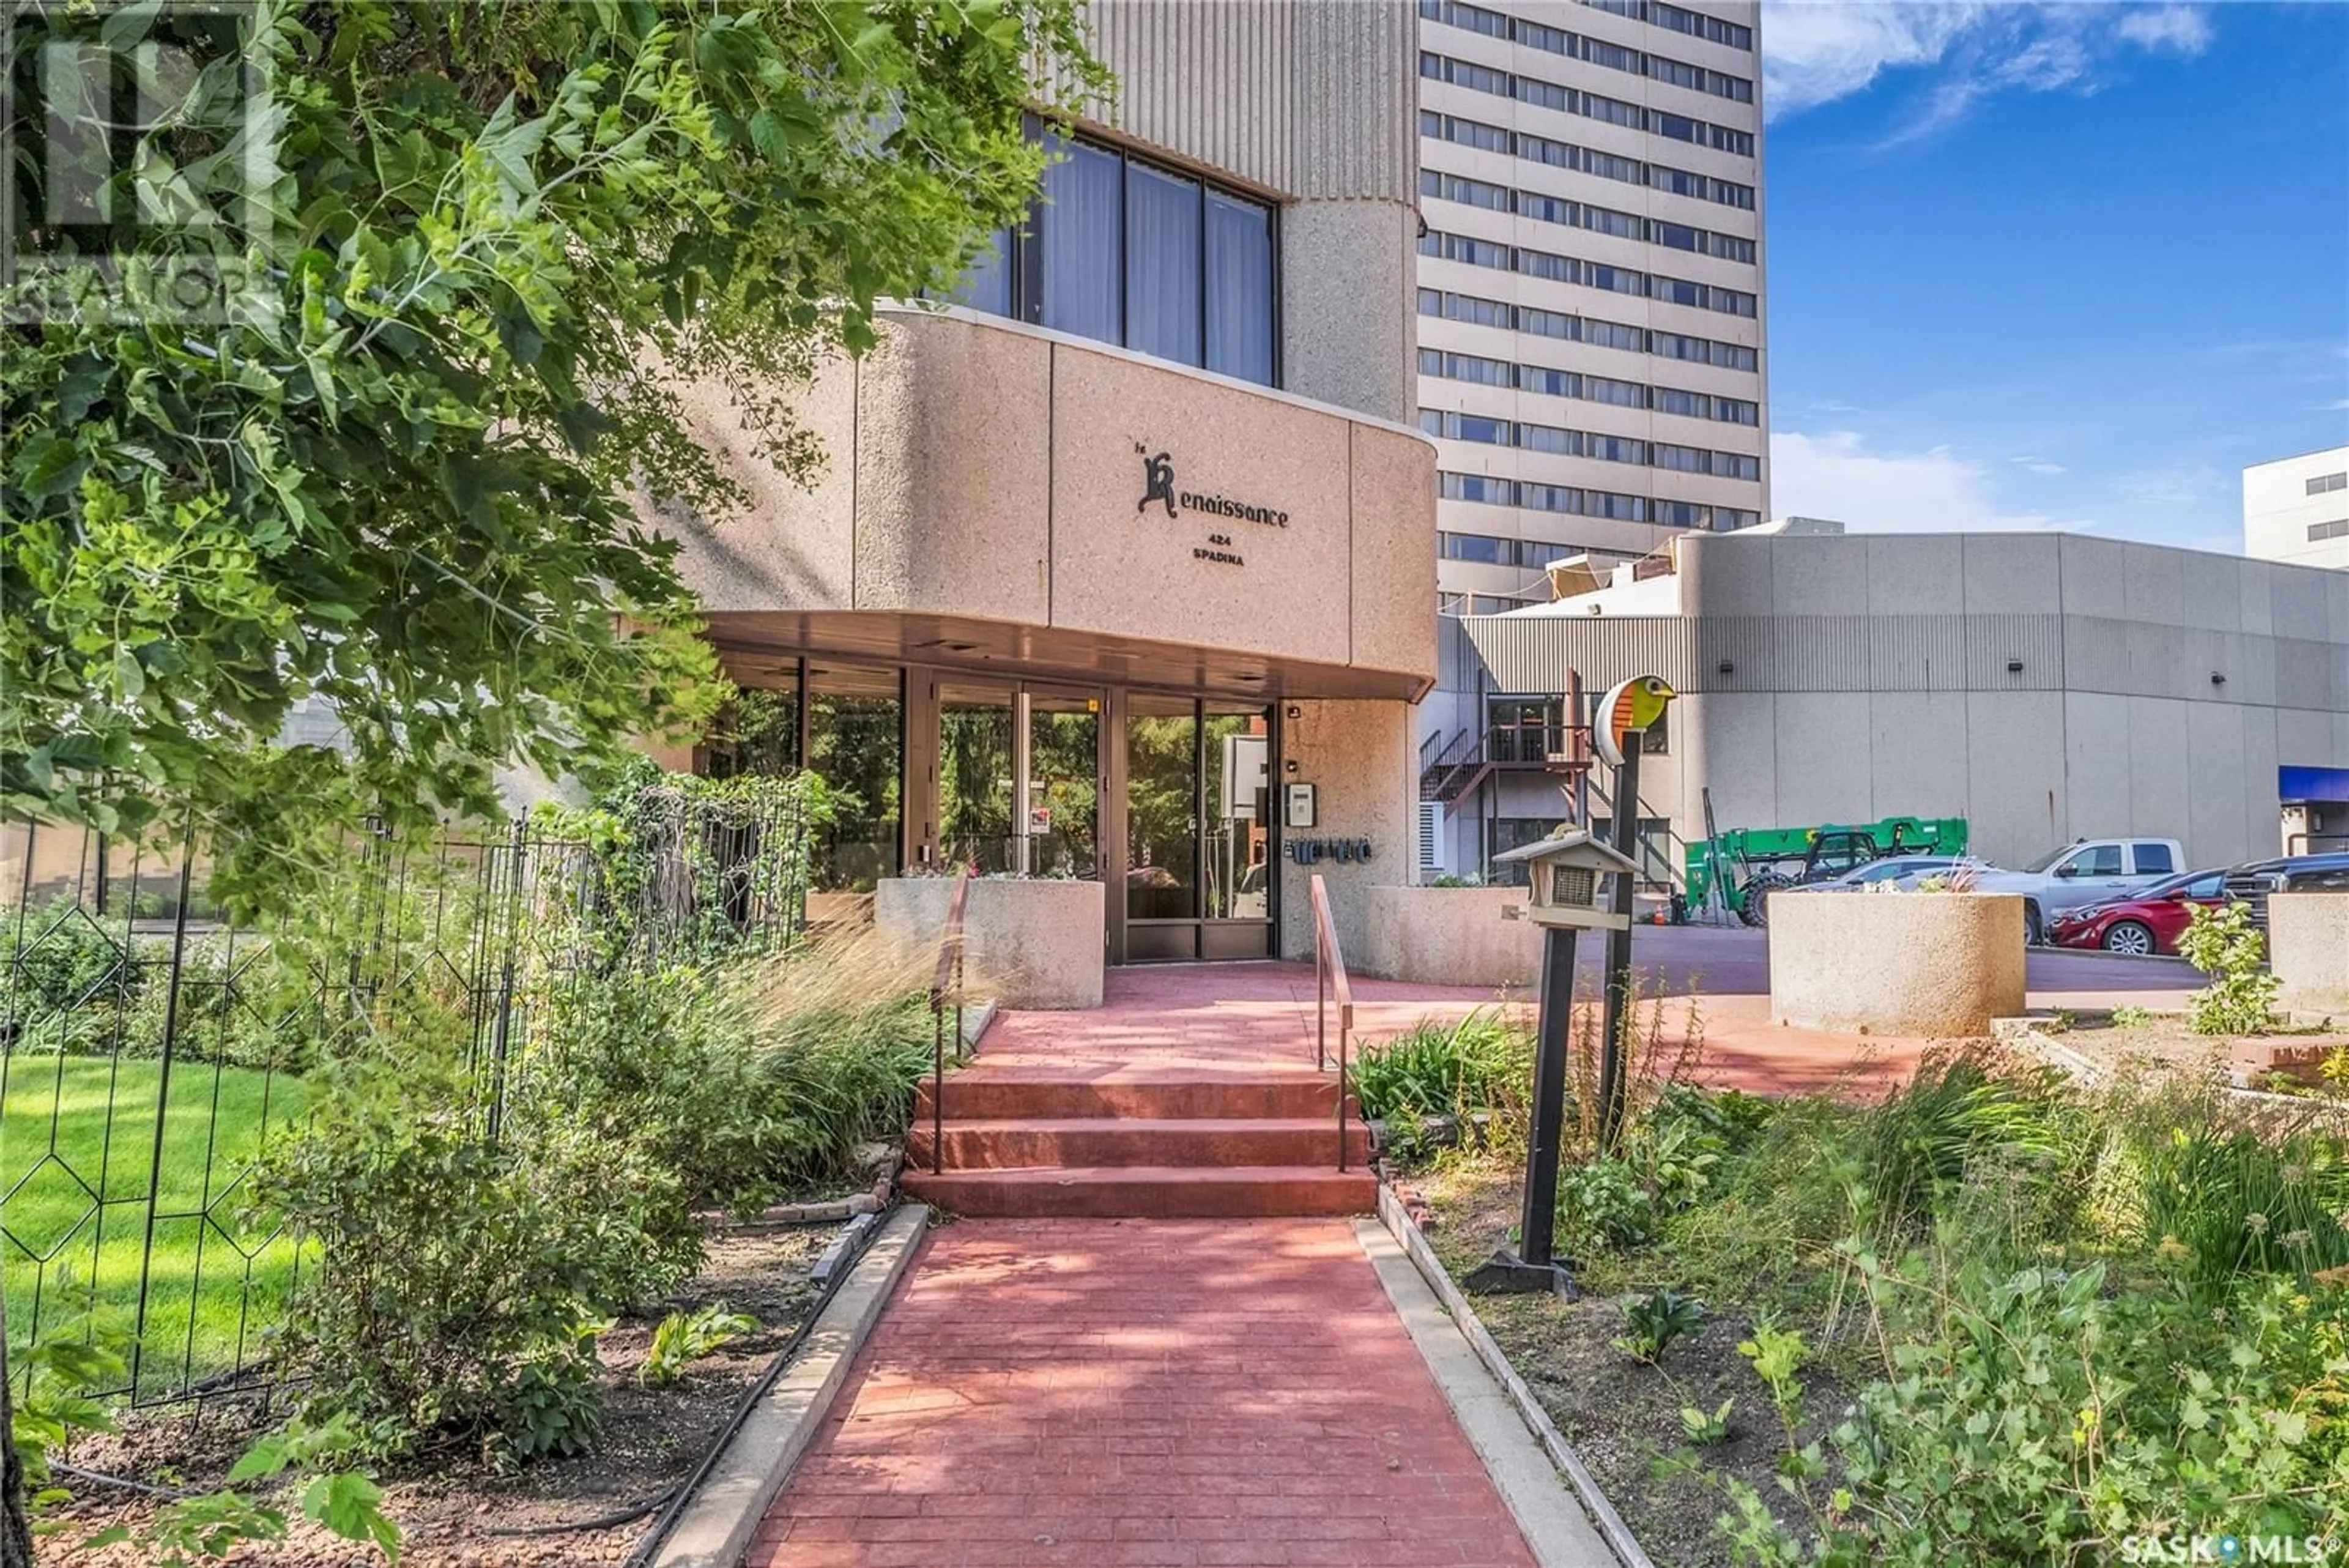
(1062, 784)
(1198, 831)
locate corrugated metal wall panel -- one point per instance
(1820, 652)
(1917, 652)
(1314, 98)
(1995, 641)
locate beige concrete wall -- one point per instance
(1932, 965)
(931, 501)
(1869, 676)
(1451, 936)
(1034, 944)
(1358, 757)
(2308, 948)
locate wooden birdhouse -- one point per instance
(1567, 876)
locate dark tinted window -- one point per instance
(2153, 860)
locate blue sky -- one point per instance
(2052, 266)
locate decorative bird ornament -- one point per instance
(1628, 705)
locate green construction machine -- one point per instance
(1743, 865)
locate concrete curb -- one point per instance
(1548, 1516)
(719, 1520)
(1616, 1535)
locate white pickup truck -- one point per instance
(2085, 871)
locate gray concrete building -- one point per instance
(1111, 555)
(2296, 509)
(2044, 686)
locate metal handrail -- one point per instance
(1329, 979)
(946, 985)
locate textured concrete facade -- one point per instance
(933, 504)
(1926, 965)
(1357, 756)
(1452, 936)
(2044, 687)
(2308, 948)
(1038, 517)
(1028, 944)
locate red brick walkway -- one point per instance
(1107, 1392)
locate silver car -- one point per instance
(1900, 871)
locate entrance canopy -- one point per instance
(756, 645)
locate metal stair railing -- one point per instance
(946, 990)
(1329, 980)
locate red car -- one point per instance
(2149, 920)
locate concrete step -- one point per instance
(1029, 1094)
(1013, 1143)
(1148, 1192)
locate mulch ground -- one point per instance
(1620, 1414)
(456, 1511)
(2162, 1042)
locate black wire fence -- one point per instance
(152, 1051)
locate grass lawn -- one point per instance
(77, 1150)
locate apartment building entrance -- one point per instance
(1167, 797)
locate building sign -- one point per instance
(1159, 489)
(1312, 851)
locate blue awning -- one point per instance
(2312, 784)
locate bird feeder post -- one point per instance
(1624, 829)
(1566, 876)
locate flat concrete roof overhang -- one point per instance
(997, 496)
(757, 647)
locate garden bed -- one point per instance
(456, 1511)
(1619, 1414)
(2004, 1314)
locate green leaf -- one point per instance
(267, 1457)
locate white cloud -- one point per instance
(2185, 28)
(2046, 465)
(1832, 474)
(1815, 51)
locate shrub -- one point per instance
(459, 1279)
(1603, 1202)
(2224, 944)
(841, 1034)
(2223, 1201)
(1480, 1063)
(56, 957)
(1964, 1112)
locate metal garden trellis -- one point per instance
(152, 1051)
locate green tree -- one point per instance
(395, 473)
(479, 250)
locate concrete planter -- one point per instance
(1027, 944)
(2308, 948)
(1928, 964)
(1449, 936)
